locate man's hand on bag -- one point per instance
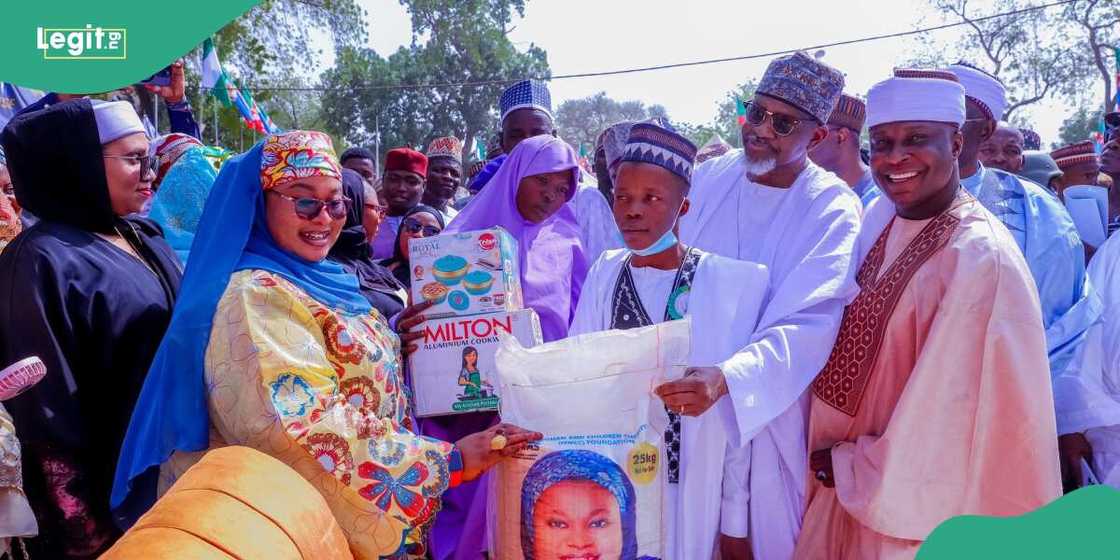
(695, 393)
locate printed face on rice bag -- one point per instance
(577, 504)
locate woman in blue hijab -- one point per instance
(275, 348)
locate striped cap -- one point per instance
(650, 143)
(850, 112)
(1075, 154)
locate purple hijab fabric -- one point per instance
(553, 265)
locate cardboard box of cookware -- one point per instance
(474, 282)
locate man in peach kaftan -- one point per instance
(936, 400)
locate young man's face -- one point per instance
(1085, 173)
(522, 124)
(1004, 150)
(648, 200)
(363, 166)
(444, 175)
(402, 190)
(912, 162)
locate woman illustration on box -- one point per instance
(470, 378)
(577, 503)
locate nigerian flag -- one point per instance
(215, 79)
(211, 66)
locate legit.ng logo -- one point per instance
(88, 43)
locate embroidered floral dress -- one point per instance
(322, 391)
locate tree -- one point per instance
(1079, 127)
(1099, 24)
(406, 99)
(266, 50)
(726, 122)
(1037, 54)
(580, 121)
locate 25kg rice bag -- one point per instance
(592, 488)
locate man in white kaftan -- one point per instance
(659, 279)
(770, 205)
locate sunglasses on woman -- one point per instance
(147, 163)
(309, 208)
(782, 125)
(413, 226)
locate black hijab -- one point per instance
(63, 184)
(401, 272)
(354, 253)
(94, 314)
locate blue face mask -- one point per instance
(667, 240)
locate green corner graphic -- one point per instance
(79, 46)
(1082, 525)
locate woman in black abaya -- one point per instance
(89, 290)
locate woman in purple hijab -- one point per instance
(528, 196)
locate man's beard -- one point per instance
(757, 168)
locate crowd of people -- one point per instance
(885, 334)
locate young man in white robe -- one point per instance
(657, 279)
(769, 204)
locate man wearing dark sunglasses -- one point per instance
(402, 186)
(769, 204)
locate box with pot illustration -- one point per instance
(453, 368)
(466, 273)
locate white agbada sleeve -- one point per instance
(801, 320)
(1087, 393)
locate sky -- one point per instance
(598, 35)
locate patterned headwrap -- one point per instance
(294, 155)
(1074, 154)
(578, 465)
(526, 94)
(168, 149)
(1031, 139)
(448, 146)
(805, 83)
(649, 143)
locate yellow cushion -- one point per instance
(236, 503)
